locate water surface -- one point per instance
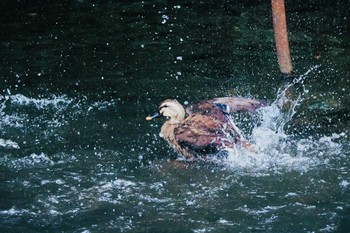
(78, 79)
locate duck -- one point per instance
(204, 128)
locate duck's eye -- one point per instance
(163, 106)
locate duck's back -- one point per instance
(205, 130)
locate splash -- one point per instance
(16, 108)
(278, 151)
(54, 101)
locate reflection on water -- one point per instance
(78, 78)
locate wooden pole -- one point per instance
(281, 37)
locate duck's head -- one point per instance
(171, 109)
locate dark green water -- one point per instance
(78, 79)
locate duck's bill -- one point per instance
(155, 115)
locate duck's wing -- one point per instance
(201, 132)
(226, 105)
(236, 104)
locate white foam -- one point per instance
(264, 210)
(344, 183)
(151, 199)
(40, 103)
(11, 120)
(40, 159)
(13, 211)
(8, 144)
(225, 222)
(29, 161)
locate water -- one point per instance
(78, 79)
